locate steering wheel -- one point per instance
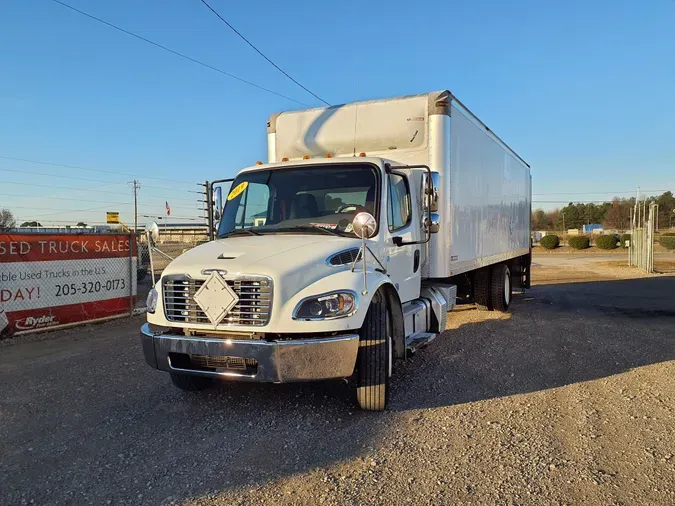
(343, 208)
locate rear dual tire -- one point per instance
(492, 289)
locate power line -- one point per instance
(87, 179)
(87, 190)
(109, 202)
(573, 201)
(600, 193)
(263, 55)
(117, 173)
(184, 56)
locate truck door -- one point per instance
(404, 263)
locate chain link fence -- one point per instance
(641, 248)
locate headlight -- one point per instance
(329, 305)
(151, 301)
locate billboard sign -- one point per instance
(48, 280)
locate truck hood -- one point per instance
(293, 261)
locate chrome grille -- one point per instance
(215, 362)
(253, 307)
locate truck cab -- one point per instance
(323, 265)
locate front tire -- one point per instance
(374, 359)
(501, 289)
(190, 383)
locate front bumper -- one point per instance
(275, 361)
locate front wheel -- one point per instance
(375, 359)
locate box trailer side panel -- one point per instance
(489, 212)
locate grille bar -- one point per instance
(253, 307)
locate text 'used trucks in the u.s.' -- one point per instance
(346, 251)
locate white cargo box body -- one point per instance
(484, 186)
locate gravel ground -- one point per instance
(567, 399)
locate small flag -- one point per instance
(168, 209)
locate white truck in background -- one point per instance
(347, 249)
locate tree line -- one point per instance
(8, 222)
(612, 215)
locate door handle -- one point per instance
(416, 261)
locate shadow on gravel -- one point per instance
(89, 422)
(557, 335)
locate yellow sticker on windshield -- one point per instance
(237, 190)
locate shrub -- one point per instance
(605, 241)
(668, 234)
(624, 238)
(667, 241)
(550, 241)
(579, 242)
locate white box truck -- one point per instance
(346, 251)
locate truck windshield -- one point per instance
(311, 199)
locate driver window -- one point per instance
(398, 207)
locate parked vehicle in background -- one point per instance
(347, 249)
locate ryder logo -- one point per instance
(31, 322)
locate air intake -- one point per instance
(344, 257)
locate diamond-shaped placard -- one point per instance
(216, 298)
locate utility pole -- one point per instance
(563, 215)
(135, 187)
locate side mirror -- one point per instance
(364, 225)
(152, 231)
(434, 223)
(431, 189)
(218, 202)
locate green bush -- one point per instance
(667, 241)
(550, 241)
(605, 241)
(624, 238)
(579, 242)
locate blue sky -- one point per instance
(584, 91)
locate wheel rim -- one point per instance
(507, 287)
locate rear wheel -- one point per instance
(190, 383)
(501, 289)
(481, 289)
(375, 359)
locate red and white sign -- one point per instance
(50, 280)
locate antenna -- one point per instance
(356, 115)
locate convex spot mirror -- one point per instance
(152, 230)
(364, 225)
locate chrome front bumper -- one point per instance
(276, 361)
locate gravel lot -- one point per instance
(568, 399)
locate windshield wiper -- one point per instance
(239, 231)
(308, 228)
